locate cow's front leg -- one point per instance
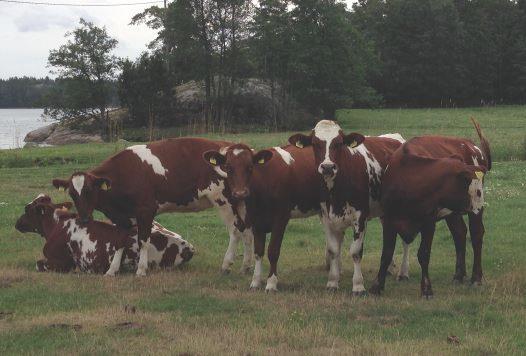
(476, 230)
(403, 274)
(230, 253)
(358, 288)
(459, 231)
(259, 251)
(424, 255)
(115, 263)
(334, 239)
(388, 247)
(274, 249)
(248, 250)
(144, 227)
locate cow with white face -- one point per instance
(351, 166)
(142, 181)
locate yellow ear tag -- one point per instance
(479, 174)
(213, 161)
(104, 186)
(261, 161)
(354, 144)
(61, 189)
(299, 144)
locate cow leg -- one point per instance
(144, 227)
(115, 263)
(403, 274)
(389, 244)
(248, 250)
(356, 253)
(274, 248)
(424, 255)
(458, 229)
(259, 251)
(230, 254)
(334, 239)
(476, 230)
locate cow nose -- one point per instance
(240, 194)
(328, 169)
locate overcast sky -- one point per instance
(28, 32)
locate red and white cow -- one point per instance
(352, 167)
(90, 246)
(286, 187)
(430, 178)
(164, 176)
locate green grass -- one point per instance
(197, 310)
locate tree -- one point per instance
(85, 66)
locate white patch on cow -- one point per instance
(286, 156)
(394, 136)
(146, 156)
(256, 278)
(55, 214)
(326, 130)
(237, 151)
(443, 213)
(87, 246)
(272, 284)
(404, 267)
(480, 151)
(78, 183)
(476, 187)
(224, 150)
(115, 262)
(142, 266)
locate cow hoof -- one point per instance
(427, 296)
(359, 293)
(141, 273)
(402, 278)
(375, 290)
(226, 272)
(109, 274)
(246, 270)
(254, 285)
(332, 289)
(458, 280)
(476, 284)
(271, 290)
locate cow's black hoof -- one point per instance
(476, 284)
(332, 289)
(375, 290)
(226, 272)
(402, 278)
(458, 280)
(246, 270)
(427, 296)
(360, 293)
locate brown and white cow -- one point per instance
(286, 187)
(164, 176)
(430, 178)
(90, 246)
(351, 166)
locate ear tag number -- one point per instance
(299, 144)
(104, 186)
(479, 174)
(213, 161)
(354, 144)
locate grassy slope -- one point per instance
(197, 310)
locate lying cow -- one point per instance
(351, 167)
(90, 246)
(284, 188)
(430, 178)
(164, 176)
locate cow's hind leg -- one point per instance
(458, 229)
(389, 244)
(403, 273)
(115, 263)
(259, 251)
(144, 227)
(424, 255)
(334, 238)
(476, 230)
(274, 249)
(358, 288)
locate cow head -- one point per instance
(236, 163)
(329, 144)
(41, 206)
(85, 190)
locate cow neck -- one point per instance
(49, 224)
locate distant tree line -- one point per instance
(24, 92)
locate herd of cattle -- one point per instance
(345, 179)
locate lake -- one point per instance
(16, 123)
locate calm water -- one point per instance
(16, 123)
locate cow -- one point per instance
(351, 167)
(431, 178)
(142, 181)
(90, 246)
(286, 187)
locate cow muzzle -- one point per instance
(328, 169)
(240, 194)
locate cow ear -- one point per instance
(300, 140)
(40, 209)
(353, 139)
(262, 157)
(473, 172)
(65, 205)
(103, 183)
(61, 184)
(214, 158)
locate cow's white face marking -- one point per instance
(286, 156)
(476, 191)
(480, 151)
(395, 136)
(237, 151)
(78, 183)
(146, 155)
(326, 130)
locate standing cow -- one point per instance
(164, 176)
(351, 166)
(284, 188)
(430, 178)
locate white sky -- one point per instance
(28, 32)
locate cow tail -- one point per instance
(483, 142)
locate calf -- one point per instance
(284, 188)
(164, 176)
(430, 178)
(351, 167)
(91, 246)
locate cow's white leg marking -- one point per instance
(248, 251)
(256, 278)
(334, 240)
(143, 259)
(78, 183)
(272, 284)
(404, 267)
(115, 263)
(356, 248)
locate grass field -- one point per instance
(196, 310)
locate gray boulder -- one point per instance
(41, 134)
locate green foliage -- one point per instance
(25, 92)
